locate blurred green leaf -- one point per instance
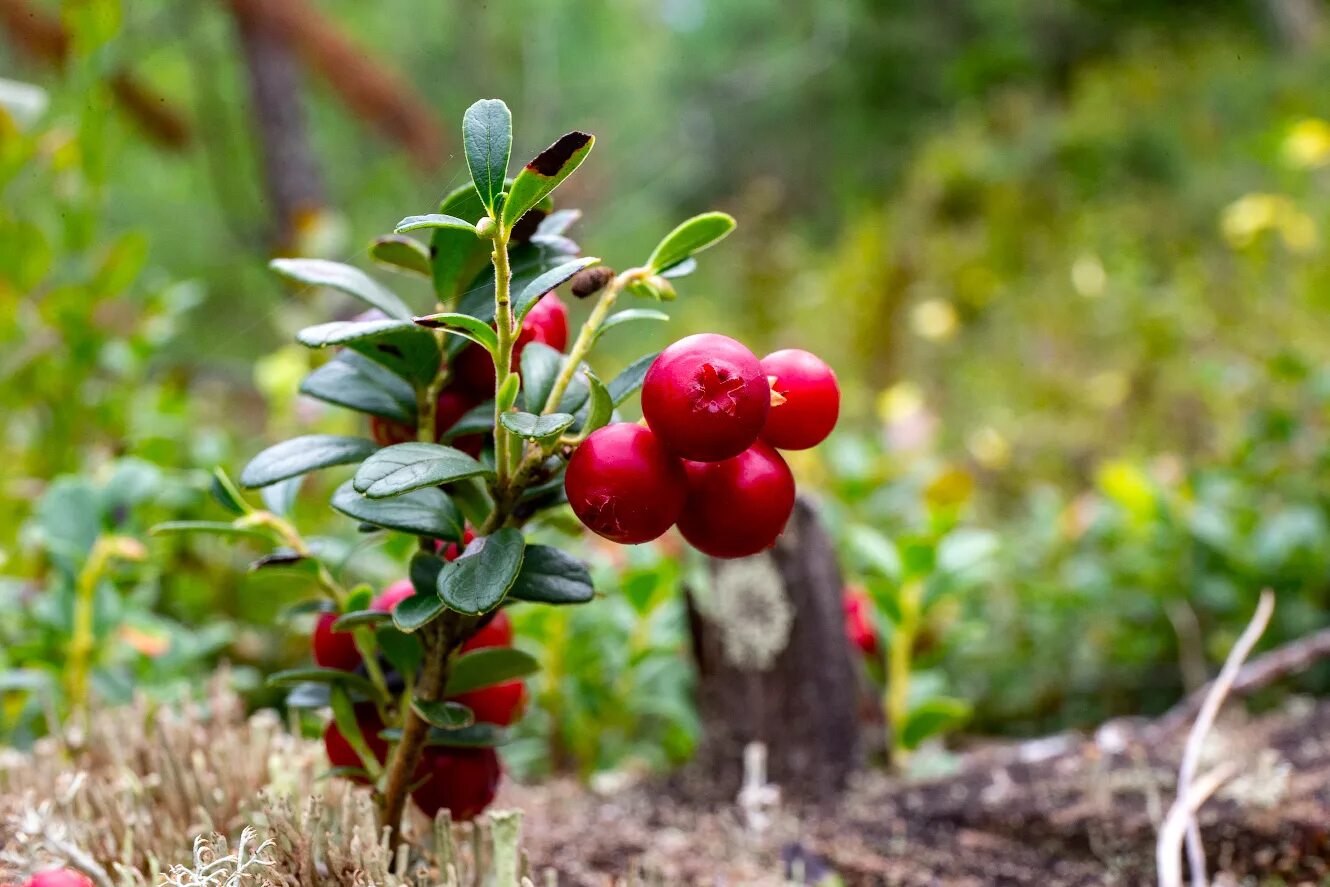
(489, 666)
(401, 254)
(352, 281)
(444, 714)
(301, 455)
(690, 238)
(932, 717)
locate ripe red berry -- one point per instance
(624, 485)
(811, 399)
(859, 626)
(463, 780)
(706, 397)
(546, 322)
(388, 599)
(739, 506)
(339, 750)
(334, 649)
(59, 878)
(454, 402)
(452, 551)
(498, 632)
(500, 704)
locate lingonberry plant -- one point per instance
(477, 422)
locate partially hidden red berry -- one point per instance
(59, 878)
(859, 626)
(739, 506)
(706, 397)
(334, 649)
(499, 704)
(498, 632)
(339, 749)
(388, 599)
(624, 485)
(546, 322)
(451, 551)
(808, 403)
(462, 780)
(454, 402)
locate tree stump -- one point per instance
(774, 667)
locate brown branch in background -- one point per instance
(44, 38)
(373, 92)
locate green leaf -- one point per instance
(487, 137)
(552, 278)
(350, 380)
(622, 386)
(403, 651)
(508, 391)
(226, 493)
(602, 405)
(475, 736)
(399, 345)
(931, 717)
(220, 528)
(410, 466)
(458, 256)
(691, 237)
(309, 694)
(680, 269)
(344, 715)
(348, 679)
(300, 455)
(552, 576)
(544, 173)
(629, 316)
(417, 611)
(360, 618)
(557, 223)
(477, 420)
(444, 714)
(489, 666)
(280, 498)
(434, 220)
(478, 580)
(540, 366)
(352, 281)
(463, 325)
(534, 427)
(424, 512)
(401, 254)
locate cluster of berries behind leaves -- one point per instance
(707, 458)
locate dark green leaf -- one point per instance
(403, 651)
(477, 420)
(444, 714)
(463, 325)
(478, 580)
(300, 455)
(931, 717)
(540, 366)
(348, 679)
(489, 666)
(359, 619)
(350, 380)
(352, 281)
(528, 262)
(552, 576)
(399, 345)
(632, 314)
(487, 138)
(475, 736)
(601, 405)
(622, 386)
(310, 694)
(534, 427)
(424, 512)
(344, 716)
(434, 220)
(410, 466)
(543, 174)
(538, 287)
(284, 557)
(690, 238)
(458, 256)
(221, 528)
(401, 254)
(302, 608)
(417, 611)
(507, 395)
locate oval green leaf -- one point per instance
(402, 468)
(552, 576)
(545, 172)
(489, 666)
(433, 220)
(487, 139)
(424, 512)
(301, 455)
(463, 325)
(690, 238)
(534, 427)
(444, 714)
(352, 281)
(350, 380)
(401, 254)
(547, 281)
(477, 581)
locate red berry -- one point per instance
(500, 704)
(546, 322)
(334, 649)
(859, 626)
(393, 595)
(463, 780)
(812, 399)
(59, 878)
(624, 485)
(340, 752)
(498, 632)
(452, 551)
(454, 402)
(706, 397)
(739, 506)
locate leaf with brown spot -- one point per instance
(543, 174)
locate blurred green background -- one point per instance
(1067, 258)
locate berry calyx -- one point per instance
(342, 754)
(462, 780)
(624, 485)
(546, 322)
(59, 878)
(706, 397)
(737, 507)
(806, 399)
(334, 649)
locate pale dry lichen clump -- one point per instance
(747, 603)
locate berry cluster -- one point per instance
(464, 780)
(707, 457)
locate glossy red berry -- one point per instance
(452, 551)
(859, 626)
(59, 878)
(334, 649)
(388, 599)
(546, 322)
(500, 704)
(624, 485)
(498, 632)
(739, 506)
(454, 402)
(339, 750)
(462, 780)
(706, 397)
(809, 401)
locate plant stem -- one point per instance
(503, 360)
(415, 730)
(81, 640)
(587, 336)
(897, 700)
